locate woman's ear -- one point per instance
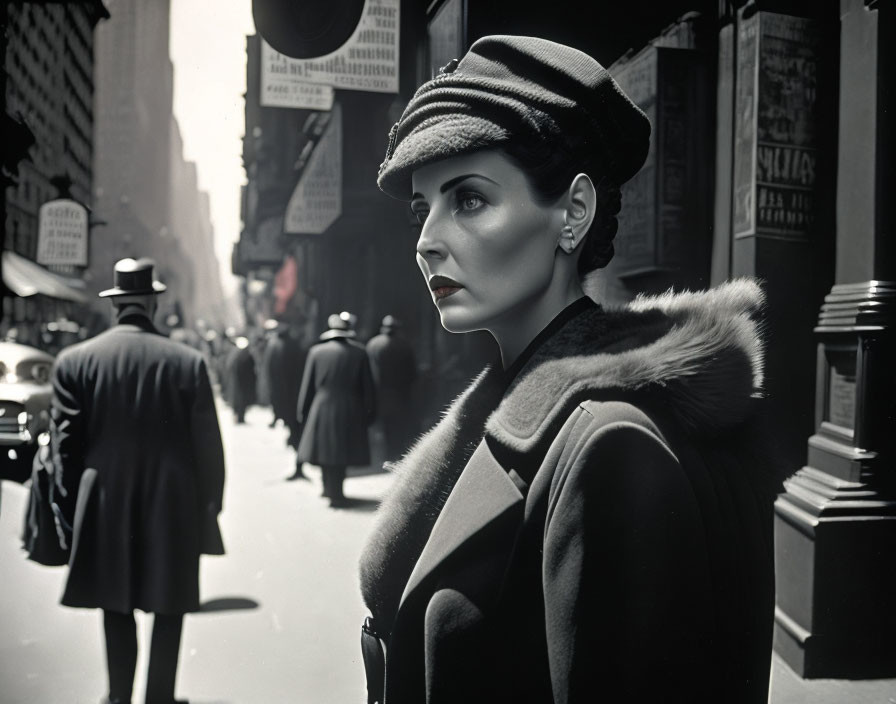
(580, 203)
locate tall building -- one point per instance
(144, 191)
(191, 226)
(49, 67)
(49, 83)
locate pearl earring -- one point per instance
(567, 236)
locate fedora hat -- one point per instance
(389, 324)
(133, 277)
(339, 327)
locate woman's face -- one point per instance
(487, 248)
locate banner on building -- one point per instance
(316, 201)
(281, 89)
(775, 138)
(367, 61)
(62, 233)
(262, 246)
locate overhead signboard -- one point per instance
(316, 201)
(62, 233)
(281, 89)
(367, 61)
(261, 246)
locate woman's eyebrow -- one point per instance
(457, 179)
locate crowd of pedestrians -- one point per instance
(334, 395)
(135, 462)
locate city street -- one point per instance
(281, 611)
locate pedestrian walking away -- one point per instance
(284, 363)
(591, 520)
(336, 404)
(242, 378)
(394, 370)
(139, 470)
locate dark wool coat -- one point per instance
(394, 372)
(136, 440)
(336, 404)
(600, 530)
(284, 362)
(242, 379)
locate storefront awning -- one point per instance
(25, 278)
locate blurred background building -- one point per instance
(89, 86)
(48, 83)
(144, 189)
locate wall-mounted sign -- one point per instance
(367, 61)
(280, 87)
(775, 136)
(261, 246)
(62, 233)
(316, 201)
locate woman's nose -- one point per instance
(430, 245)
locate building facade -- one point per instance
(49, 86)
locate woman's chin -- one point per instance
(458, 321)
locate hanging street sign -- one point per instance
(367, 61)
(62, 233)
(316, 201)
(281, 89)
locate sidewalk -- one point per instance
(281, 611)
(788, 688)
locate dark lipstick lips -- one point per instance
(443, 287)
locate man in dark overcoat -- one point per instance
(336, 404)
(139, 469)
(242, 378)
(284, 364)
(394, 370)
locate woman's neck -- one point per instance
(520, 326)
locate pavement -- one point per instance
(281, 611)
(789, 688)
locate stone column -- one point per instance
(835, 527)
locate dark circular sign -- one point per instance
(304, 29)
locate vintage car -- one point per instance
(25, 394)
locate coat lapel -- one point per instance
(484, 494)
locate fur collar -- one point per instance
(700, 354)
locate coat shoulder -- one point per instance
(614, 447)
(114, 343)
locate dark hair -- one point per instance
(550, 166)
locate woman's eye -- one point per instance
(420, 214)
(469, 201)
